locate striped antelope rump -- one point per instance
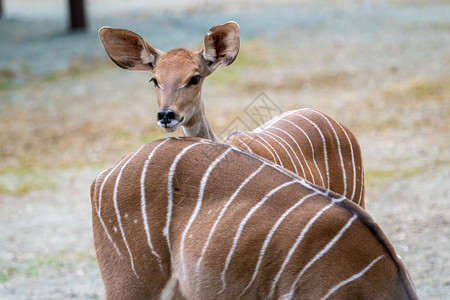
(305, 142)
(313, 146)
(190, 218)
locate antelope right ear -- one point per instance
(127, 49)
(221, 45)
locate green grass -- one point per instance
(6, 272)
(8, 79)
(148, 137)
(374, 175)
(445, 27)
(255, 55)
(51, 265)
(28, 183)
(431, 90)
(437, 90)
(78, 67)
(27, 175)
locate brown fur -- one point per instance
(174, 68)
(284, 135)
(360, 244)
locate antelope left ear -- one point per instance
(221, 45)
(127, 49)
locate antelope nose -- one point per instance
(166, 116)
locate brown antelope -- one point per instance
(312, 145)
(305, 141)
(190, 218)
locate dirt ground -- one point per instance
(66, 113)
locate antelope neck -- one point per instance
(199, 126)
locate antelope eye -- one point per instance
(154, 81)
(194, 80)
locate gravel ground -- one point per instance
(66, 113)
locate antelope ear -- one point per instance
(221, 45)
(127, 49)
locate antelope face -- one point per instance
(177, 74)
(178, 78)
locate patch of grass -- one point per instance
(34, 267)
(78, 67)
(26, 184)
(122, 132)
(148, 137)
(21, 166)
(7, 79)
(417, 105)
(6, 74)
(373, 175)
(22, 175)
(445, 27)
(37, 183)
(7, 272)
(314, 81)
(438, 90)
(52, 265)
(255, 55)
(431, 90)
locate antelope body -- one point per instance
(313, 146)
(190, 218)
(306, 142)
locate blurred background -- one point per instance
(382, 68)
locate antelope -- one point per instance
(306, 142)
(189, 218)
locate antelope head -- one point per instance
(178, 74)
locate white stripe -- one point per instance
(262, 252)
(361, 191)
(312, 152)
(166, 228)
(246, 146)
(197, 209)
(353, 162)
(280, 162)
(318, 256)
(98, 206)
(271, 134)
(344, 173)
(241, 227)
(295, 245)
(354, 277)
(100, 196)
(324, 148)
(143, 205)
(295, 178)
(289, 174)
(301, 153)
(116, 208)
(96, 189)
(224, 209)
(255, 138)
(269, 124)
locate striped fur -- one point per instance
(305, 141)
(313, 146)
(190, 218)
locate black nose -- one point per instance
(166, 116)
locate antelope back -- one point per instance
(213, 221)
(313, 146)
